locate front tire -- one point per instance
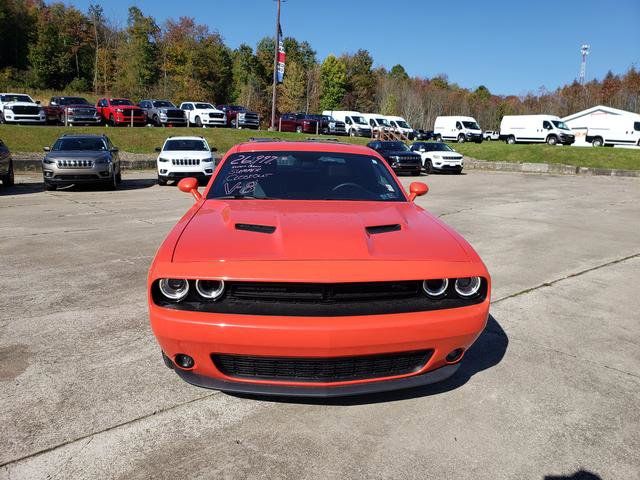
(50, 187)
(298, 129)
(511, 140)
(352, 132)
(198, 122)
(461, 138)
(112, 121)
(428, 167)
(552, 140)
(162, 181)
(9, 179)
(597, 142)
(112, 183)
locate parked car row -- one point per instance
(428, 156)
(22, 109)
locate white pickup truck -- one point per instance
(20, 108)
(203, 114)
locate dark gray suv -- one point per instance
(78, 159)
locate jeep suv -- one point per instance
(72, 111)
(75, 159)
(162, 113)
(20, 108)
(398, 156)
(240, 117)
(182, 157)
(328, 125)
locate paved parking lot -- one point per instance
(551, 388)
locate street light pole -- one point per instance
(275, 70)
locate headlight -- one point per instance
(174, 288)
(435, 288)
(468, 287)
(436, 156)
(102, 160)
(394, 157)
(9, 108)
(47, 161)
(160, 159)
(207, 160)
(119, 110)
(210, 289)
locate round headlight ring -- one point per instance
(210, 289)
(174, 289)
(468, 287)
(436, 287)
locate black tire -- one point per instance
(198, 122)
(1, 119)
(9, 180)
(50, 187)
(461, 138)
(156, 121)
(438, 138)
(119, 177)
(488, 139)
(352, 132)
(511, 140)
(416, 173)
(112, 121)
(597, 142)
(298, 129)
(112, 183)
(428, 167)
(552, 140)
(162, 181)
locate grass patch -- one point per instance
(618, 158)
(22, 138)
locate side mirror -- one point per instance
(38, 102)
(423, 149)
(190, 185)
(47, 149)
(114, 150)
(158, 149)
(214, 149)
(53, 104)
(417, 189)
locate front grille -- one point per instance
(26, 110)
(408, 159)
(185, 161)
(175, 113)
(76, 177)
(451, 158)
(131, 113)
(83, 112)
(216, 115)
(320, 300)
(321, 370)
(75, 163)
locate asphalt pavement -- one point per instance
(550, 390)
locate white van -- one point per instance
(614, 130)
(457, 129)
(535, 129)
(377, 122)
(355, 123)
(401, 125)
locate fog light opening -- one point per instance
(455, 355)
(184, 361)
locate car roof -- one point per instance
(186, 137)
(315, 146)
(83, 135)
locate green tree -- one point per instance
(333, 78)
(361, 82)
(293, 91)
(398, 73)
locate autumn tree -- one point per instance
(333, 78)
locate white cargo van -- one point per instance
(535, 129)
(377, 122)
(614, 130)
(355, 123)
(457, 129)
(400, 125)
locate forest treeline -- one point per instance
(58, 47)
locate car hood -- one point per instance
(77, 154)
(21, 104)
(177, 154)
(224, 230)
(403, 153)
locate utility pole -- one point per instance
(584, 51)
(275, 70)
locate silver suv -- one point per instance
(162, 113)
(78, 159)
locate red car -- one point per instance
(298, 122)
(305, 269)
(120, 111)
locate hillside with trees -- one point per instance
(51, 46)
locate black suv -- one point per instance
(75, 159)
(328, 126)
(6, 165)
(399, 157)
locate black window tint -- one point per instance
(458, 125)
(546, 124)
(636, 126)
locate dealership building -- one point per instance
(579, 122)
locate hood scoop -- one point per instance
(251, 227)
(375, 229)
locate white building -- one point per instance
(581, 121)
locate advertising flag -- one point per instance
(282, 57)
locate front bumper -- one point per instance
(202, 334)
(217, 122)
(37, 119)
(126, 120)
(470, 137)
(178, 174)
(567, 139)
(66, 176)
(84, 120)
(176, 122)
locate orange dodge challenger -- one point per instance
(304, 269)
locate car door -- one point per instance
(5, 155)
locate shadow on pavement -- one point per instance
(485, 353)
(580, 475)
(37, 187)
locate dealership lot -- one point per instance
(550, 388)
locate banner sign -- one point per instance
(282, 57)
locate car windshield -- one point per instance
(394, 146)
(80, 143)
(402, 124)
(471, 125)
(236, 108)
(191, 145)
(204, 106)
(163, 104)
(16, 98)
(72, 101)
(560, 125)
(436, 147)
(383, 121)
(359, 120)
(305, 176)
(120, 101)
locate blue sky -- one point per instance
(512, 47)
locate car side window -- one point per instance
(372, 123)
(458, 125)
(347, 120)
(636, 126)
(546, 124)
